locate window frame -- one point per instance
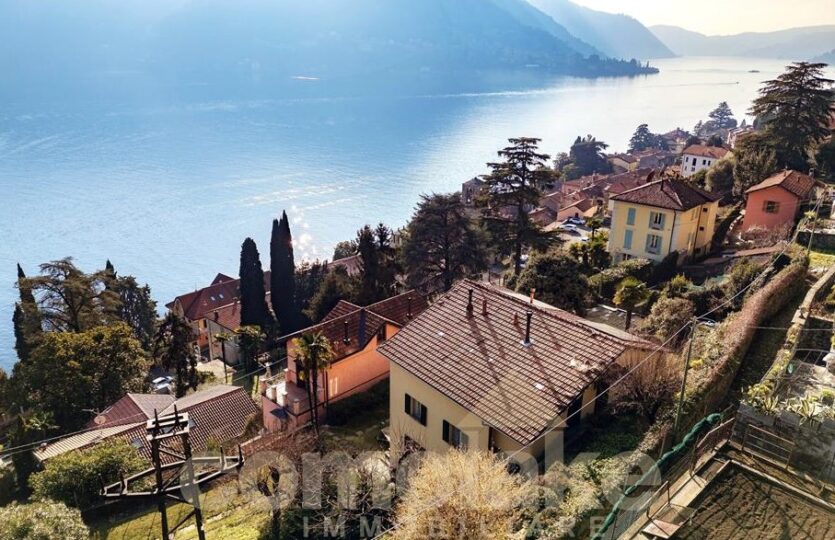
(454, 436)
(416, 410)
(771, 207)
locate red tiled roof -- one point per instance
(481, 363)
(133, 408)
(672, 194)
(222, 292)
(220, 413)
(700, 150)
(794, 182)
(628, 158)
(349, 330)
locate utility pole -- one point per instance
(173, 471)
(693, 324)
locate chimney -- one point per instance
(346, 339)
(217, 316)
(470, 304)
(363, 314)
(533, 295)
(529, 316)
(484, 307)
(408, 307)
(515, 319)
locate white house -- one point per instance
(697, 157)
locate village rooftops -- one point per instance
(350, 327)
(222, 292)
(219, 413)
(700, 150)
(794, 182)
(672, 194)
(472, 345)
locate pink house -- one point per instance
(355, 333)
(775, 201)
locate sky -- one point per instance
(717, 17)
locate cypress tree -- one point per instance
(254, 310)
(26, 318)
(26, 296)
(283, 276)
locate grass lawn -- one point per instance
(763, 350)
(230, 515)
(821, 258)
(227, 515)
(740, 505)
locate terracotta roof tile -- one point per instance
(672, 194)
(794, 182)
(700, 150)
(481, 362)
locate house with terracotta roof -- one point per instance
(662, 217)
(489, 369)
(622, 162)
(217, 415)
(213, 310)
(697, 157)
(354, 332)
(776, 201)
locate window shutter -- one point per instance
(446, 431)
(465, 441)
(408, 404)
(663, 219)
(423, 414)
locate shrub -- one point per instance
(45, 520)
(605, 282)
(558, 281)
(75, 478)
(649, 388)
(667, 316)
(677, 287)
(462, 495)
(741, 275)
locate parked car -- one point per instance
(569, 227)
(576, 221)
(162, 385)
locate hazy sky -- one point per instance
(723, 16)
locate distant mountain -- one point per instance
(618, 36)
(210, 43)
(828, 58)
(794, 43)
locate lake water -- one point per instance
(168, 189)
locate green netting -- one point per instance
(660, 465)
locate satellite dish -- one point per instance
(99, 420)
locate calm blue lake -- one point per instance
(168, 187)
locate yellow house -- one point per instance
(662, 217)
(355, 333)
(488, 369)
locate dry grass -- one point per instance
(462, 495)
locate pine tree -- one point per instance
(514, 186)
(254, 310)
(443, 244)
(722, 116)
(283, 277)
(643, 138)
(794, 110)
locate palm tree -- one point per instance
(223, 338)
(631, 292)
(314, 354)
(594, 223)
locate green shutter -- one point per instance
(627, 239)
(630, 216)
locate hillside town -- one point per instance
(545, 329)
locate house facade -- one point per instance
(488, 369)
(355, 333)
(662, 217)
(698, 157)
(776, 201)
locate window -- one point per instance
(704, 209)
(630, 216)
(455, 437)
(704, 162)
(656, 220)
(653, 243)
(771, 207)
(701, 229)
(627, 239)
(416, 409)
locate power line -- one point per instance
(619, 380)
